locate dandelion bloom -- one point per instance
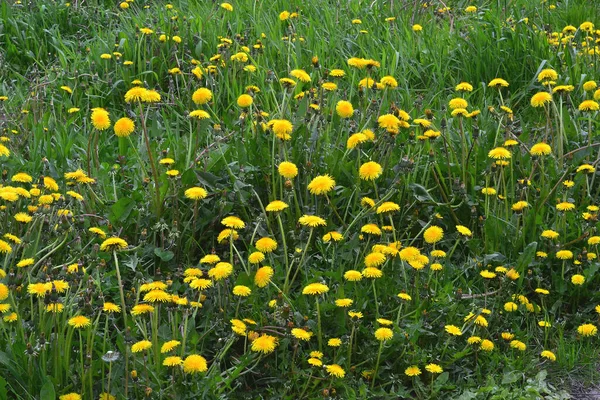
(276, 205)
(517, 344)
(196, 193)
(70, 396)
(457, 103)
(510, 306)
(19, 217)
(588, 105)
(413, 370)
(220, 271)
(474, 340)
(587, 330)
(322, 184)
(389, 81)
(488, 191)
(370, 171)
(113, 244)
(586, 168)
(335, 370)
(384, 334)
(263, 276)
(266, 245)
(301, 334)
(388, 206)
(388, 121)
(434, 368)
(433, 234)
(356, 139)
(540, 149)
(264, 344)
(3, 292)
(288, 170)
(315, 289)
(100, 119)
(300, 75)
(344, 302)
(124, 127)
(315, 362)
(335, 236)
(371, 272)
(244, 101)
(548, 354)
(311, 221)
(463, 230)
(404, 296)
(371, 229)
(227, 6)
(550, 234)
(486, 345)
(512, 274)
(565, 206)
(140, 346)
(353, 276)
(578, 279)
(519, 206)
(142, 309)
(540, 99)
(111, 308)
(374, 259)
(498, 83)
(238, 327)
(344, 109)
(499, 153)
(453, 330)
(157, 295)
(25, 263)
(199, 114)
(172, 361)
(194, 363)
(79, 321)
(564, 254)
(282, 128)
(464, 87)
(256, 257)
(233, 222)
(547, 75)
(241, 290)
(334, 342)
(202, 96)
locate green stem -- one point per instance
(377, 364)
(319, 324)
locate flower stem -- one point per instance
(319, 324)
(377, 364)
(123, 309)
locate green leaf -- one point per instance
(441, 380)
(467, 395)
(165, 255)
(47, 392)
(3, 393)
(510, 377)
(421, 193)
(527, 256)
(121, 210)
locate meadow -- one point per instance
(299, 200)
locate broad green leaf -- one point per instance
(165, 255)
(47, 392)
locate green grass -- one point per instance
(234, 156)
